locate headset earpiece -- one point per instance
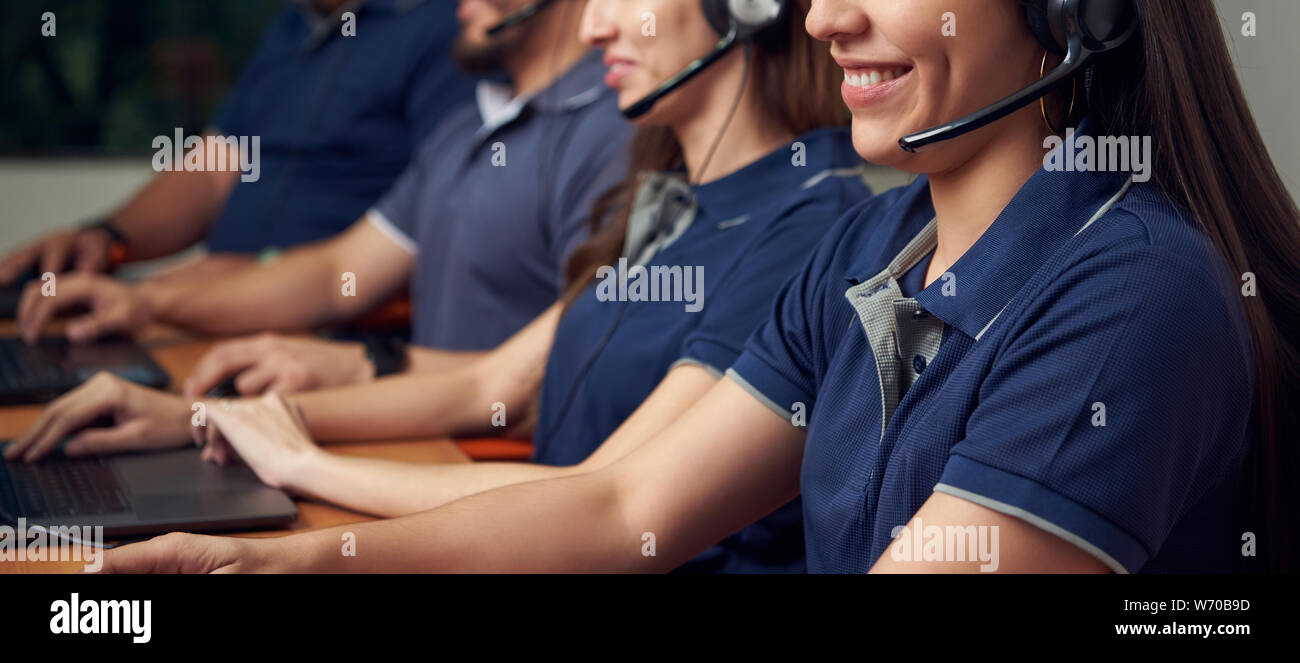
(1106, 24)
(1039, 24)
(736, 22)
(1101, 25)
(749, 16)
(1074, 29)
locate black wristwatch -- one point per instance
(387, 353)
(106, 224)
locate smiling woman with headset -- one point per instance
(1061, 359)
(741, 163)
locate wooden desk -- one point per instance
(177, 355)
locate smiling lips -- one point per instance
(869, 77)
(618, 70)
(864, 85)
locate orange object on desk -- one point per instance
(394, 313)
(496, 448)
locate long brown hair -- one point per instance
(796, 81)
(1175, 82)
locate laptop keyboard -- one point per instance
(64, 487)
(22, 366)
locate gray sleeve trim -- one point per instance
(691, 361)
(762, 398)
(1034, 520)
(391, 231)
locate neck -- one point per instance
(549, 49)
(748, 136)
(968, 198)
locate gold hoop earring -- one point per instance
(1042, 105)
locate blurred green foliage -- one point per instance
(118, 72)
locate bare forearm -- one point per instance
(463, 400)
(201, 269)
(401, 406)
(572, 524)
(293, 293)
(172, 212)
(389, 488)
(428, 360)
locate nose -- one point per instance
(597, 29)
(829, 20)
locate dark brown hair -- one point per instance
(797, 82)
(1176, 83)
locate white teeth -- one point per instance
(872, 77)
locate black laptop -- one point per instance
(42, 372)
(12, 293)
(9, 297)
(140, 494)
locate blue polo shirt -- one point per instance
(339, 117)
(495, 201)
(747, 233)
(1085, 367)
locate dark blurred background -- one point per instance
(79, 112)
(119, 72)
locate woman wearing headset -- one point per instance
(1064, 353)
(769, 170)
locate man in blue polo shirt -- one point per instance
(337, 95)
(497, 199)
(480, 225)
(1038, 377)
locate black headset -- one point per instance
(1074, 29)
(748, 17)
(736, 22)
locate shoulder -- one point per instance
(457, 126)
(1147, 275)
(869, 227)
(428, 24)
(833, 190)
(595, 112)
(594, 136)
(1146, 239)
(822, 199)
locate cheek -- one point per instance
(899, 25)
(671, 37)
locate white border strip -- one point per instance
(1037, 521)
(692, 361)
(762, 398)
(1110, 204)
(391, 231)
(1114, 200)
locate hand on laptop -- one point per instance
(114, 307)
(83, 250)
(268, 363)
(267, 433)
(143, 418)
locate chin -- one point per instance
(660, 114)
(878, 146)
(475, 36)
